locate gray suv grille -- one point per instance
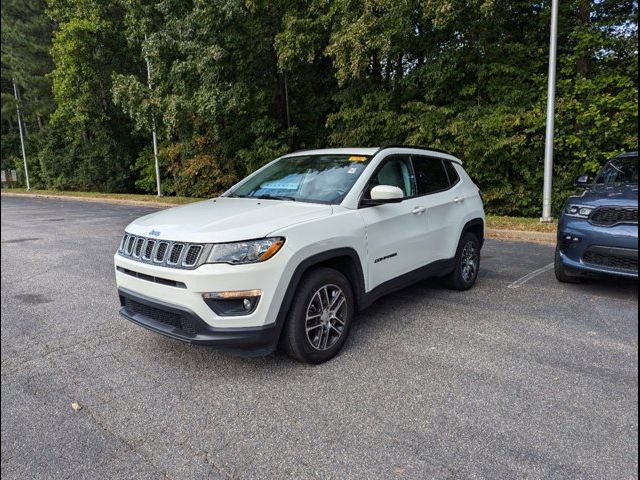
(162, 252)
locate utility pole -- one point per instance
(551, 101)
(286, 99)
(154, 135)
(16, 94)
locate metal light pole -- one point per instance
(551, 101)
(153, 128)
(24, 153)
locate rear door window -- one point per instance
(431, 175)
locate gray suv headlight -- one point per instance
(580, 211)
(250, 251)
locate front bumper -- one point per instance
(182, 324)
(170, 301)
(599, 250)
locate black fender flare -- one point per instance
(476, 222)
(357, 278)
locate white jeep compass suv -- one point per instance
(291, 253)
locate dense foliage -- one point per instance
(236, 83)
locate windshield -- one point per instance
(305, 178)
(619, 170)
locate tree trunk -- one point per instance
(286, 99)
(397, 87)
(584, 17)
(376, 68)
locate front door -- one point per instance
(395, 231)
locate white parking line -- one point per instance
(529, 276)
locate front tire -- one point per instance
(467, 263)
(320, 316)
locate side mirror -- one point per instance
(582, 181)
(382, 194)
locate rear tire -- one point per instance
(467, 263)
(320, 316)
(561, 273)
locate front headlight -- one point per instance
(251, 251)
(580, 211)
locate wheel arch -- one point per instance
(477, 227)
(345, 260)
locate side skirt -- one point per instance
(439, 268)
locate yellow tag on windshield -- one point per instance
(357, 159)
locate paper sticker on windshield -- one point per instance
(357, 158)
(279, 186)
(352, 170)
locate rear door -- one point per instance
(438, 189)
(395, 231)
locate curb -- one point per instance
(516, 235)
(114, 201)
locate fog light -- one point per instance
(233, 303)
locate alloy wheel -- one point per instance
(326, 317)
(469, 262)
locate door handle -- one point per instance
(458, 200)
(418, 210)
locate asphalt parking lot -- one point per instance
(512, 379)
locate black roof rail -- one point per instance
(416, 147)
(318, 148)
(626, 154)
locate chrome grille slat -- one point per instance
(137, 251)
(130, 242)
(161, 252)
(175, 254)
(164, 253)
(149, 249)
(192, 255)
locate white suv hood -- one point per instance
(226, 219)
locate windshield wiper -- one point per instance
(276, 197)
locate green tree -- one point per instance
(92, 142)
(26, 39)
(236, 83)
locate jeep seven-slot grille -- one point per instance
(161, 252)
(609, 216)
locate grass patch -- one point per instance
(493, 221)
(519, 223)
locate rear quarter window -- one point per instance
(452, 172)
